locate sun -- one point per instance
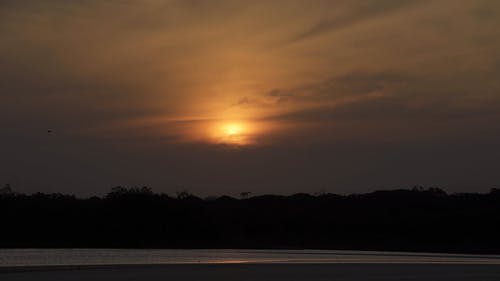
(233, 129)
(233, 133)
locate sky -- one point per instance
(264, 96)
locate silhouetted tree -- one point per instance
(183, 194)
(120, 192)
(245, 195)
(422, 219)
(6, 190)
(495, 191)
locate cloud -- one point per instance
(355, 13)
(397, 107)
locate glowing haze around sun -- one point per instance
(236, 133)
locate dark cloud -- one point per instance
(278, 93)
(487, 10)
(406, 108)
(363, 11)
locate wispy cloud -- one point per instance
(353, 14)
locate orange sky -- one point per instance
(292, 72)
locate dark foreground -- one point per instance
(258, 272)
(417, 220)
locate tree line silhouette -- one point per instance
(419, 219)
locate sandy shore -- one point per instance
(256, 272)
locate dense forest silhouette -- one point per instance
(420, 219)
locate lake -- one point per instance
(64, 257)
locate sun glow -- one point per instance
(233, 133)
(233, 129)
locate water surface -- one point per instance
(57, 257)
